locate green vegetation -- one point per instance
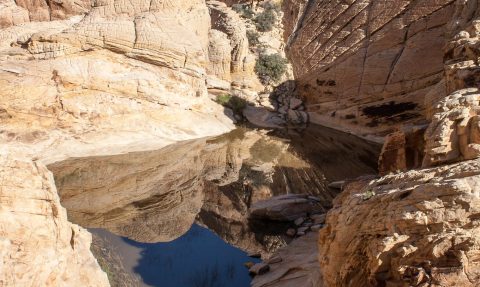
(368, 194)
(272, 5)
(236, 103)
(244, 10)
(270, 68)
(223, 99)
(253, 36)
(265, 20)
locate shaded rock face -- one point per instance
(367, 65)
(39, 246)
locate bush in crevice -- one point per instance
(272, 5)
(252, 37)
(265, 20)
(270, 68)
(245, 11)
(235, 103)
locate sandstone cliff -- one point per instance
(419, 227)
(39, 246)
(366, 66)
(82, 78)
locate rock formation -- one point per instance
(405, 229)
(39, 246)
(295, 265)
(366, 66)
(419, 227)
(83, 78)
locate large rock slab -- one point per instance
(286, 207)
(407, 229)
(293, 265)
(366, 66)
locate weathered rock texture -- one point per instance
(81, 78)
(297, 266)
(367, 65)
(422, 224)
(39, 246)
(115, 72)
(418, 228)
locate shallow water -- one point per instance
(199, 258)
(145, 208)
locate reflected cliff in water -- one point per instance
(156, 196)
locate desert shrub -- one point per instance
(236, 103)
(253, 36)
(270, 68)
(245, 11)
(223, 99)
(272, 5)
(265, 20)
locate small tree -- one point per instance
(265, 20)
(245, 11)
(270, 68)
(234, 102)
(253, 36)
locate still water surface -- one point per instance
(146, 209)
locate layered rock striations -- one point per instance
(367, 66)
(89, 78)
(418, 227)
(120, 69)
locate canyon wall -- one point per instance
(119, 77)
(368, 66)
(419, 227)
(83, 78)
(39, 246)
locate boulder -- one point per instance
(285, 207)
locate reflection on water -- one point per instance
(198, 258)
(156, 196)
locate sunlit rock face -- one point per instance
(419, 227)
(108, 80)
(405, 229)
(84, 78)
(367, 65)
(39, 246)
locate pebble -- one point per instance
(291, 232)
(337, 184)
(307, 224)
(259, 269)
(316, 227)
(295, 103)
(299, 221)
(318, 218)
(302, 230)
